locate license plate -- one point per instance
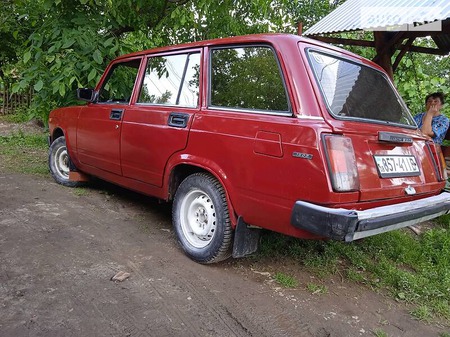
(397, 166)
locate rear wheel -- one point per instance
(59, 163)
(201, 219)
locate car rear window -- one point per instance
(356, 91)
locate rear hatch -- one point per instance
(376, 148)
(394, 163)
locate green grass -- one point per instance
(24, 153)
(80, 192)
(422, 312)
(21, 116)
(380, 333)
(285, 280)
(413, 269)
(314, 288)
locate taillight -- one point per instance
(438, 161)
(443, 167)
(341, 163)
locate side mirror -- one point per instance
(86, 94)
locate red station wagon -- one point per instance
(268, 131)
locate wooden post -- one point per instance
(384, 56)
(7, 101)
(300, 28)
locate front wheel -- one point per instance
(59, 163)
(201, 219)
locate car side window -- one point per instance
(119, 83)
(171, 80)
(247, 78)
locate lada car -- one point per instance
(269, 131)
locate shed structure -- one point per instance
(396, 24)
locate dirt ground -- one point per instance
(60, 247)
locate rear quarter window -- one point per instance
(247, 77)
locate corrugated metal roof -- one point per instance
(375, 14)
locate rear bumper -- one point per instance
(348, 225)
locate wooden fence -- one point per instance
(9, 103)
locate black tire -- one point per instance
(59, 163)
(201, 219)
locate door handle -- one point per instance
(178, 120)
(116, 114)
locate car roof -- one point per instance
(267, 38)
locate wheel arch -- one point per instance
(57, 132)
(180, 171)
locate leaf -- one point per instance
(38, 86)
(92, 75)
(98, 56)
(62, 89)
(114, 48)
(68, 44)
(47, 4)
(435, 81)
(401, 296)
(38, 55)
(26, 57)
(15, 34)
(23, 84)
(108, 42)
(183, 20)
(15, 88)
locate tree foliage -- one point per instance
(73, 40)
(12, 39)
(419, 75)
(67, 43)
(56, 46)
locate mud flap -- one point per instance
(246, 239)
(78, 176)
(75, 175)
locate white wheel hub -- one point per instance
(62, 162)
(198, 218)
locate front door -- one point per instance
(100, 123)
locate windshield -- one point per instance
(356, 91)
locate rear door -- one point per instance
(158, 124)
(393, 163)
